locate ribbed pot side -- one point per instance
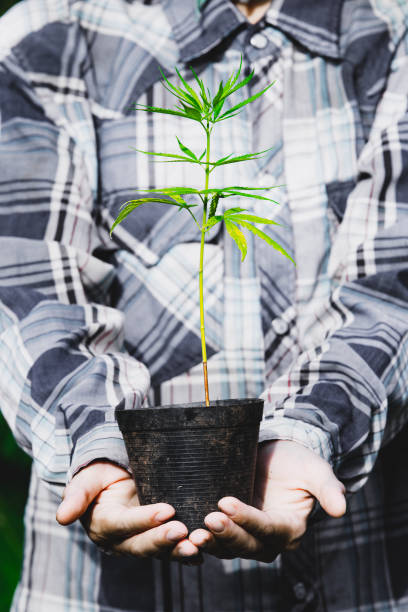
(190, 455)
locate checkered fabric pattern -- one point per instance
(87, 321)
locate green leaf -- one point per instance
(234, 78)
(245, 102)
(157, 109)
(131, 205)
(190, 90)
(136, 203)
(241, 188)
(218, 95)
(238, 237)
(213, 221)
(223, 161)
(191, 112)
(171, 155)
(218, 190)
(186, 150)
(179, 92)
(242, 83)
(231, 211)
(225, 118)
(179, 190)
(234, 160)
(252, 218)
(218, 108)
(250, 195)
(202, 88)
(268, 239)
(202, 155)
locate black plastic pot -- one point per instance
(192, 455)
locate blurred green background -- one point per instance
(13, 492)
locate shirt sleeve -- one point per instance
(348, 397)
(62, 363)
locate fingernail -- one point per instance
(217, 525)
(228, 507)
(175, 534)
(162, 515)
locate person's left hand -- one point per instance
(289, 478)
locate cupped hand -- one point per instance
(104, 497)
(289, 478)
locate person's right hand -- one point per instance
(104, 496)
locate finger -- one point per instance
(119, 522)
(229, 539)
(325, 487)
(254, 521)
(85, 486)
(187, 553)
(201, 538)
(331, 497)
(155, 542)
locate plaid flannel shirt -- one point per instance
(86, 321)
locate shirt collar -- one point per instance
(315, 24)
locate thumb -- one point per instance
(331, 496)
(84, 487)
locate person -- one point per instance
(88, 321)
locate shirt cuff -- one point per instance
(285, 428)
(104, 442)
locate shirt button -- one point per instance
(258, 41)
(280, 326)
(300, 591)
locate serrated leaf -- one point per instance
(245, 102)
(139, 201)
(245, 188)
(223, 161)
(266, 238)
(218, 108)
(182, 97)
(192, 113)
(179, 190)
(252, 219)
(218, 95)
(171, 155)
(202, 88)
(190, 90)
(235, 160)
(157, 109)
(242, 83)
(213, 221)
(122, 215)
(250, 195)
(234, 78)
(212, 190)
(131, 205)
(225, 118)
(231, 211)
(219, 161)
(237, 236)
(178, 91)
(186, 150)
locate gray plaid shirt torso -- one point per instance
(86, 321)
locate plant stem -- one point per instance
(200, 276)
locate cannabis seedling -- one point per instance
(200, 106)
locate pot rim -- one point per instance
(220, 413)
